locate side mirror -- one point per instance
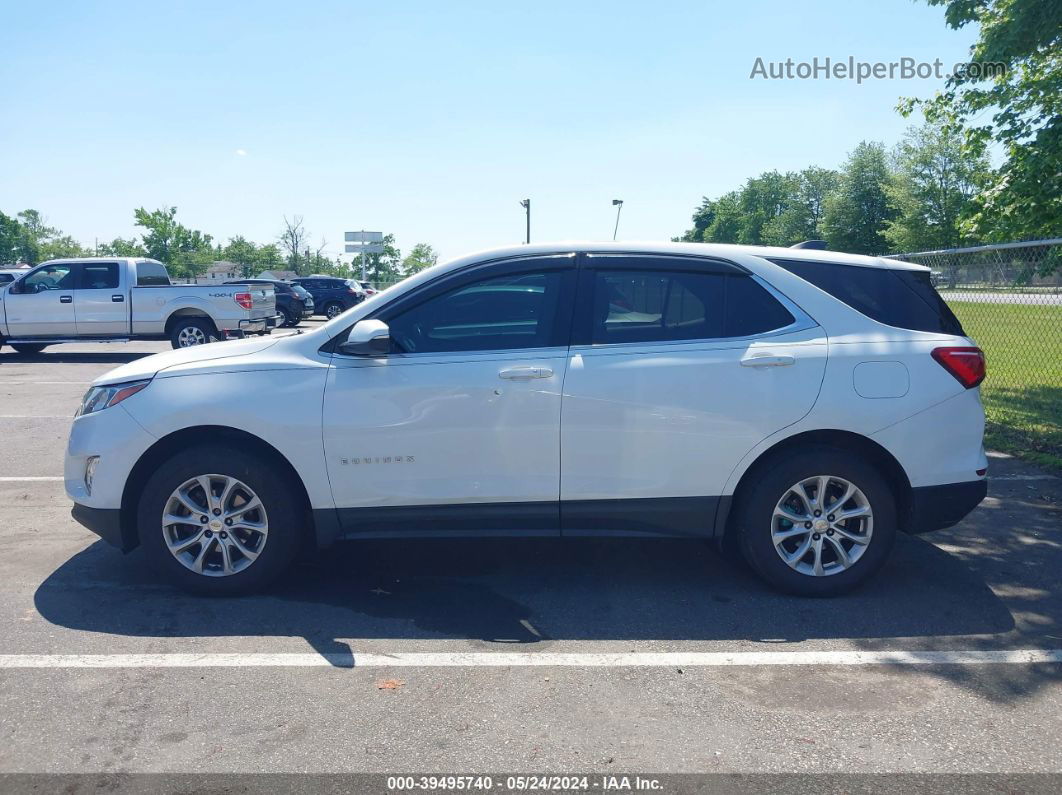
(367, 338)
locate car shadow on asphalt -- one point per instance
(56, 357)
(528, 591)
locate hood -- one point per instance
(222, 352)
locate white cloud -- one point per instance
(241, 152)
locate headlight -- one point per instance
(101, 397)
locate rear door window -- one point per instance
(99, 276)
(900, 298)
(660, 305)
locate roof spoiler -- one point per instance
(813, 244)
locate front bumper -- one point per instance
(937, 507)
(104, 522)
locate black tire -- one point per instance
(333, 308)
(282, 512)
(28, 348)
(773, 479)
(193, 328)
(290, 321)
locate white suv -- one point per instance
(803, 405)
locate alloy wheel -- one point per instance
(191, 335)
(822, 525)
(215, 525)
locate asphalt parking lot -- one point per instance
(597, 610)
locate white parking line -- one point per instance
(31, 479)
(1023, 477)
(533, 659)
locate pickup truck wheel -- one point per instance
(333, 309)
(191, 332)
(817, 522)
(27, 347)
(219, 521)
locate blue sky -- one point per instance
(432, 120)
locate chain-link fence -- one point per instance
(1009, 299)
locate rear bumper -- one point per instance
(262, 325)
(104, 522)
(937, 507)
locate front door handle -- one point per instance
(525, 373)
(66, 299)
(118, 298)
(768, 361)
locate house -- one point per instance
(284, 276)
(220, 271)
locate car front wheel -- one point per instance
(333, 310)
(817, 522)
(219, 521)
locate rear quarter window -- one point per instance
(900, 298)
(151, 274)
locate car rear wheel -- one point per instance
(817, 522)
(219, 521)
(333, 309)
(27, 348)
(191, 332)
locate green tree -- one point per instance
(62, 246)
(1023, 199)
(385, 266)
(931, 189)
(855, 215)
(39, 242)
(244, 253)
(12, 240)
(120, 247)
(187, 252)
(802, 217)
(762, 201)
(420, 257)
(703, 217)
(726, 224)
(268, 257)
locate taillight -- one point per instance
(243, 299)
(352, 291)
(966, 364)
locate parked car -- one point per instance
(331, 295)
(293, 302)
(803, 406)
(104, 299)
(358, 288)
(8, 275)
(368, 288)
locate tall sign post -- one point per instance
(363, 243)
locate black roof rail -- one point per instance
(812, 244)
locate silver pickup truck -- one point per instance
(107, 299)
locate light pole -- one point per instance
(618, 204)
(526, 204)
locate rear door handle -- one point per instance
(768, 361)
(118, 298)
(66, 299)
(525, 373)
